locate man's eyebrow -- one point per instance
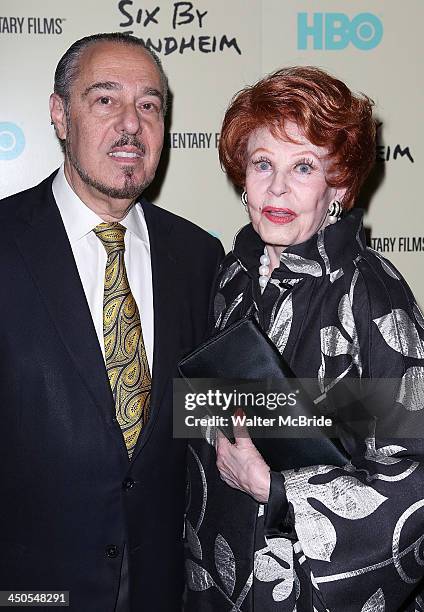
(151, 91)
(108, 85)
(113, 85)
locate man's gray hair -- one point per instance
(67, 68)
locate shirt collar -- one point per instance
(135, 223)
(79, 219)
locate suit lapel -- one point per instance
(45, 247)
(166, 303)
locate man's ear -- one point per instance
(58, 115)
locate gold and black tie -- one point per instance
(125, 353)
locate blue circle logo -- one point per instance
(366, 31)
(12, 141)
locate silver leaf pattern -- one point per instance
(280, 329)
(400, 333)
(345, 496)
(348, 497)
(282, 548)
(376, 603)
(411, 391)
(323, 252)
(345, 315)
(225, 563)
(353, 284)
(411, 467)
(418, 315)
(396, 551)
(268, 569)
(230, 273)
(230, 310)
(204, 486)
(198, 579)
(384, 454)
(333, 342)
(299, 264)
(316, 532)
(243, 594)
(321, 374)
(282, 284)
(386, 265)
(283, 589)
(297, 586)
(336, 275)
(193, 541)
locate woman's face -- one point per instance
(286, 186)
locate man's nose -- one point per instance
(129, 120)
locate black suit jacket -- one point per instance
(69, 497)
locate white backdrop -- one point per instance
(210, 50)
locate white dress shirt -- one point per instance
(90, 257)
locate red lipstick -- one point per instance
(280, 216)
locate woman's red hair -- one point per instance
(326, 112)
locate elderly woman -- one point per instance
(322, 537)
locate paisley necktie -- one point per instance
(126, 360)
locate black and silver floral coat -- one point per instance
(334, 309)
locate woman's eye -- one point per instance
(304, 168)
(262, 164)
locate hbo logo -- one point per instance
(12, 141)
(334, 31)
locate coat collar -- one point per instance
(323, 254)
(165, 274)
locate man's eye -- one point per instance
(148, 106)
(104, 100)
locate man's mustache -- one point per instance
(128, 140)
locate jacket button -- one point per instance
(128, 484)
(112, 551)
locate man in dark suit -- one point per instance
(102, 294)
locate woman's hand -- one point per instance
(241, 466)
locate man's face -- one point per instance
(113, 128)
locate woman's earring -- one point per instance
(334, 212)
(244, 199)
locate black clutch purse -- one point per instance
(243, 352)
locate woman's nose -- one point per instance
(278, 185)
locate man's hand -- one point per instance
(241, 466)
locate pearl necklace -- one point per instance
(264, 272)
